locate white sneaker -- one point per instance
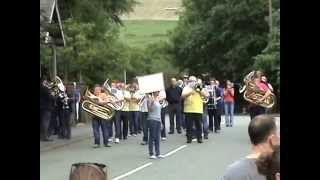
(110, 140)
(117, 140)
(134, 135)
(129, 135)
(160, 156)
(164, 138)
(194, 140)
(153, 157)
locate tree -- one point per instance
(221, 36)
(226, 38)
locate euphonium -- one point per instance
(115, 102)
(90, 105)
(253, 94)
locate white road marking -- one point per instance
(132, 171)
(147, 164)
(174, 151)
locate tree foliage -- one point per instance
(94, 50)
(221, 37)
(269, 59)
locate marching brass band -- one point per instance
(191, 102)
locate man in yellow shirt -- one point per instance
(193, 107)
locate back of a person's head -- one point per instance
(260, 128)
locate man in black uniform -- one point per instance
(65, 110)
(214, 108)
(46, 106)
(173, 96)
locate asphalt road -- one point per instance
(129, 160)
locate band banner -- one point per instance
(151, 83)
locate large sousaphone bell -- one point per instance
(253, 94)
(88, 171)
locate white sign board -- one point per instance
(151, 83)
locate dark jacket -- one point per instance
(46, 99)
(173, 95)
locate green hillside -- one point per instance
(140, 33)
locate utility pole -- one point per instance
(270, 17)
(125, 76)
(54, 63)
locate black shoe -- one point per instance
(124, 138)
(144, 143)
(179, 132)
(189, 141)
(200, 141)
(171, 132)
(47, 139)
(206, 137)
(96, 146)
(107, 145)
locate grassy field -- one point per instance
(140, 33)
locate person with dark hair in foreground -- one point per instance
(269, 165)
(264, 139)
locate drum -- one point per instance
(88, 171)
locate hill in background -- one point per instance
(155, 10)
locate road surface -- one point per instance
(130, 161)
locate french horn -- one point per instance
(253, 94)
(90, 105)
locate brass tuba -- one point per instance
(56, 87)
(90, 105)
(253, 94)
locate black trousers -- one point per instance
(214, 119)
(163, 121)
(143, 119)
(124, 120)
(196, 119)
(55, 124)
(45, 117)
(117, 124)
(65, 129)
(175, 110)
(256, 110)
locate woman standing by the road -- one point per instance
(229, 103)
(154, 124)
